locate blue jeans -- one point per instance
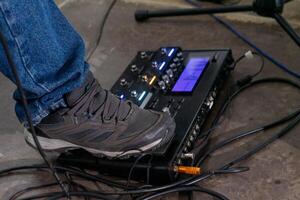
(48, 52)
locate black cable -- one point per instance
(74, 185)
(93, 194)
(223, 2)
(247, 133)
(249, 153)
(110, 7)
(186, 189)
(29, 189)
(243, 88)
(204, 176)
(41, 196)
(266, 143)
(281, 133)
(133, 166)
(59, 195)
(93, 178)
(261, 67)
(64, 169)
(232, 170)
(19, 168)
(27, 112)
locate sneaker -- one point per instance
(102, 124)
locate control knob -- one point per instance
(163, 51)
(143, 54)
(123, 82)
(191, 138)
(133, 68)
(154, 64)
(145, 78)
(188, 144)
(173, 65)
(170, 73)
(180, 57)
(162, 85)
(179, 54)
(133, 93)
(166, 109)
(176, 60)
(194, 132)
(197, 127)
(166, 79)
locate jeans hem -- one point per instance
(41, 113)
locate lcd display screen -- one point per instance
(191, 74)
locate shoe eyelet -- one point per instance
(106, 120)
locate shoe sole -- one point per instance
(58, 145)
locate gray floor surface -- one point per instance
(274, 171)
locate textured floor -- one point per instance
(274, 172)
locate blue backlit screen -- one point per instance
(191, 74)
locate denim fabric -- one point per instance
(48, 52)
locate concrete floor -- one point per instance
(274, 171)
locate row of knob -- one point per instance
(169, 75)
(143, 54)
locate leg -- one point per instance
(69, 107)
(48, 52)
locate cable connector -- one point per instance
(249, 54)
(187, 170)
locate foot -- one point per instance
(102, 124)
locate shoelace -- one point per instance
(91, 105)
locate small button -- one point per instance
(133, 68)
(143, 54)
(191, 138)
(163, 51)
(154, 64)
(133, 93)
(162, 85)
(166, 109)
(173, 65)
(194, 132)
(170, 73)
(185, 149)
(145, 78)
(214, 94)
(166, 79)
(179, 54)
(188, 144)
(123, 82)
